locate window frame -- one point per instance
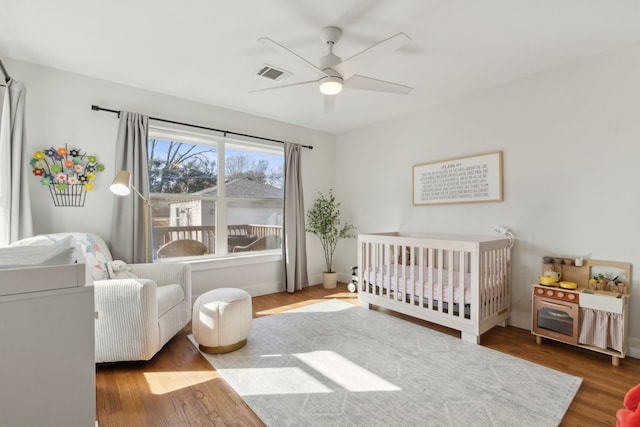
(207, 138)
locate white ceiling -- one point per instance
(207, 50)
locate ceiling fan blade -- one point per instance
(329, 103)
(277, 46)
(368, 83)
(350, 66)
(283, 86)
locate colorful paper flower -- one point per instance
(40, 164)
(62, 151)
(38, 171)
(46, 180)
(99, 167)
(92, 159)
(88, 186)
(91, 176)
(39, 155)
(68, 164)
(50, 152)
(76, 160)
(72, 180)
(74, 153)
(61, 187)
(79, 168)
(61, 177)
(83, 178)
(69, 171)
(55, 168)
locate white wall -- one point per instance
(571, 143)
(59, 111)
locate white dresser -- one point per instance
(47, 368)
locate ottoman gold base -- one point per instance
(223, 348)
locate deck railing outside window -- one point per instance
(240, 237)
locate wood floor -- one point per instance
(179, 388)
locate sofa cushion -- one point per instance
(168, 297)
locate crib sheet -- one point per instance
(405, 285)
(404, 282)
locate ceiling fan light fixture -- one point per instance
(331, 85)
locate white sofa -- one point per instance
(135, 316)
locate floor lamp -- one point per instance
(121, 186)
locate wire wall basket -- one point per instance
(73, 195)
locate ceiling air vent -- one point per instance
(272, 73)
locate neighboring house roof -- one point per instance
(245, 188)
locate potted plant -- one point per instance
(323, 220)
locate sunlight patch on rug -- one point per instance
(272, 381)
(345, 373)
(333, 363)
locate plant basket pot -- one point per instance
(329, 280)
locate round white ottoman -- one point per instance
(221, 320)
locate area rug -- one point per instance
(336, 364)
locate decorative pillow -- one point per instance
(39, 252)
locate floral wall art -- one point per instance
(69, 174)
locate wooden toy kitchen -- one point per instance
(583, 302)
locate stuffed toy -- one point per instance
(630, 415)
(120, 270)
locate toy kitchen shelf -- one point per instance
(575, 316)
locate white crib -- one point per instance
(403, 272)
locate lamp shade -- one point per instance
(121, 184)
(331, 85)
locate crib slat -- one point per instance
(438, 280)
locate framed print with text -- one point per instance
(468, 179)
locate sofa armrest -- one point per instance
(166, 274)
(127, 319)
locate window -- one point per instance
(213, 195)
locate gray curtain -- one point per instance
(294, 247)
(15, 205)
(127, 228)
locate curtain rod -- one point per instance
(225, 132)
(7, 77)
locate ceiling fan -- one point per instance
(334, 74)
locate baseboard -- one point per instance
(520, 320)
(255, 290)
(634, 348)
(265, 288)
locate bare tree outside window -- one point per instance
(178, 167)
